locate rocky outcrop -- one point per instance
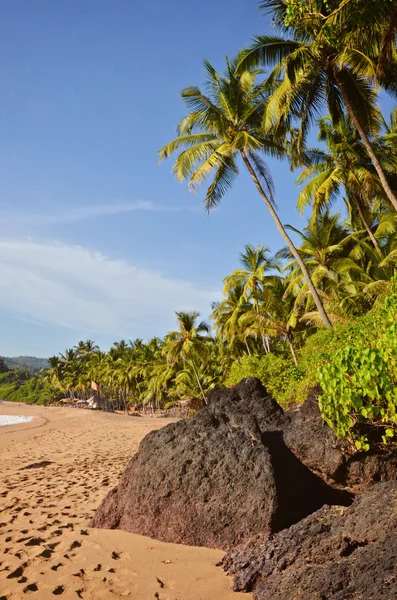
(315, 444)
(310, 439)
(333, 554)
(222, 476)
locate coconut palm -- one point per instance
(226, 125)
(255, 264)
(279, 314)
(227, 315)
(344, 165)
(370, 28)
(316, 69)
(86, 347)
(189, 342)
(326, 246)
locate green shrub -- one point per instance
(277, 373)
(360, 380)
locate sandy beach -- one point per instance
(47, 547)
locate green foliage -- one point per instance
(32, 363)
(360, 379)
(19, 385)
(277, 373)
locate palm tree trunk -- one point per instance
(291, 347)
(366, 142)
(198, 381)
(287, 239)
(366, 225)
(264, 340)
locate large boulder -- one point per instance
(334, 554)
(218, 478)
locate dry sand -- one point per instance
(47, 548)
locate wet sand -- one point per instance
(47, 547)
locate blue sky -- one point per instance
(98, 240)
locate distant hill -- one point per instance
(29, 362)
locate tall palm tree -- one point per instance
(318, 68)
(371, 28)
(189, 342)
(222, 126)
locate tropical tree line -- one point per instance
(324, 71)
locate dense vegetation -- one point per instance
(322, 309)
(32, 363)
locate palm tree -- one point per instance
(370, 28)
(254, 264)
(227, 317)
(278, 315)
(188, 342)
(222, 126)
(344, 164)
(55, 373)
(316, 67)
(86, 347)
(326, 244)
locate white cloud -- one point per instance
(81, 213)
(73, 287)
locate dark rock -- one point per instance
(218, 478)
(316, 445)
(333, 554)
(313, 442)
(362, 469)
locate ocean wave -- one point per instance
(14, 420)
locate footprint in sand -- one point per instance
(18, 572)
(80, 573)
(35, 541)
(58, 590)
(32, 587)
(75, 544)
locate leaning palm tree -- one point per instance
(188, 343)
(221, 127)
(318, 68)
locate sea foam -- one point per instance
(14, 420)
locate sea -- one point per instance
(14, 420)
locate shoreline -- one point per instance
(45, 513)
